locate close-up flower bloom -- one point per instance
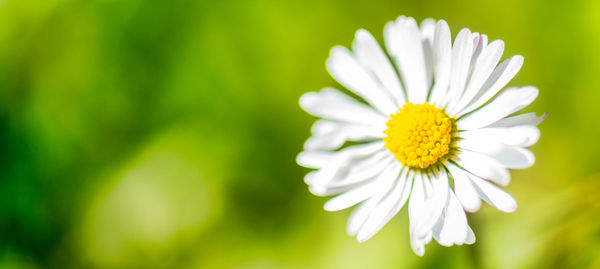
(429, 122)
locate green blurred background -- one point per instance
(163, 134)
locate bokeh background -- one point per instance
(163, 134)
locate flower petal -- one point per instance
(442, 61)
(362, 211)
(328, 191)
(331, 104)
(486, 62)
(331, 135)
(416, 211)
(386, 209)
(319, 159)
(513, 157)
(479, 44)
(315, 159)
(435, 203)
(508, 156)
(418, 246)
(427, 29)
(370, 55)
(470, 236)
(403, 41)
(462, 51)
(358, 194)
(427, 35)
(454, 229)
(502, 74)
(509, 101)
(493, 195)
(416, 204)
(523, 119)
(359, 215)
(363, 169)
(520, 135)
(484, 166)
(353, 196)
(338, 172)
(465, 192)
(346, 69)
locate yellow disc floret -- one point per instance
(419, 135)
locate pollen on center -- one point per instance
(419, 135)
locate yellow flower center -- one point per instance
(419, 135)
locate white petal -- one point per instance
(318, 159)
(479, 45)
(442, 60)
(502, 74)
(465, 192)
(462, 51)
(418, 243)
(333, 140)
(379, 186)
(470, 236)
(360, 150)
(338, 133)
(324, 127)
(370, 55)
(319, 179)
(427, 187)
(523, 119)
(418, 246)
(325, 191)
(416, 204)
(455, 227)
(434, 205)
(344, 67)
(331, 104)
(427, 34)
(437, 229)
(484, 66)
(363, 169)
(337, 172)
(388, 179)
(520, 135)
(509, 101)
(493, 195)
(360, 214)
(513, 157)
(403, 41)
(483, 40)
(315, 159)
(428, 30)
(310, 176)
(339, 177)
(352, 197)
(484, 166)
(386, 209)
(416, 212)
(508, 156)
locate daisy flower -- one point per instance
(429, 123)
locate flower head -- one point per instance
(433, 127)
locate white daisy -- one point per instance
(427, 131)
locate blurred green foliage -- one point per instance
(163, 134)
